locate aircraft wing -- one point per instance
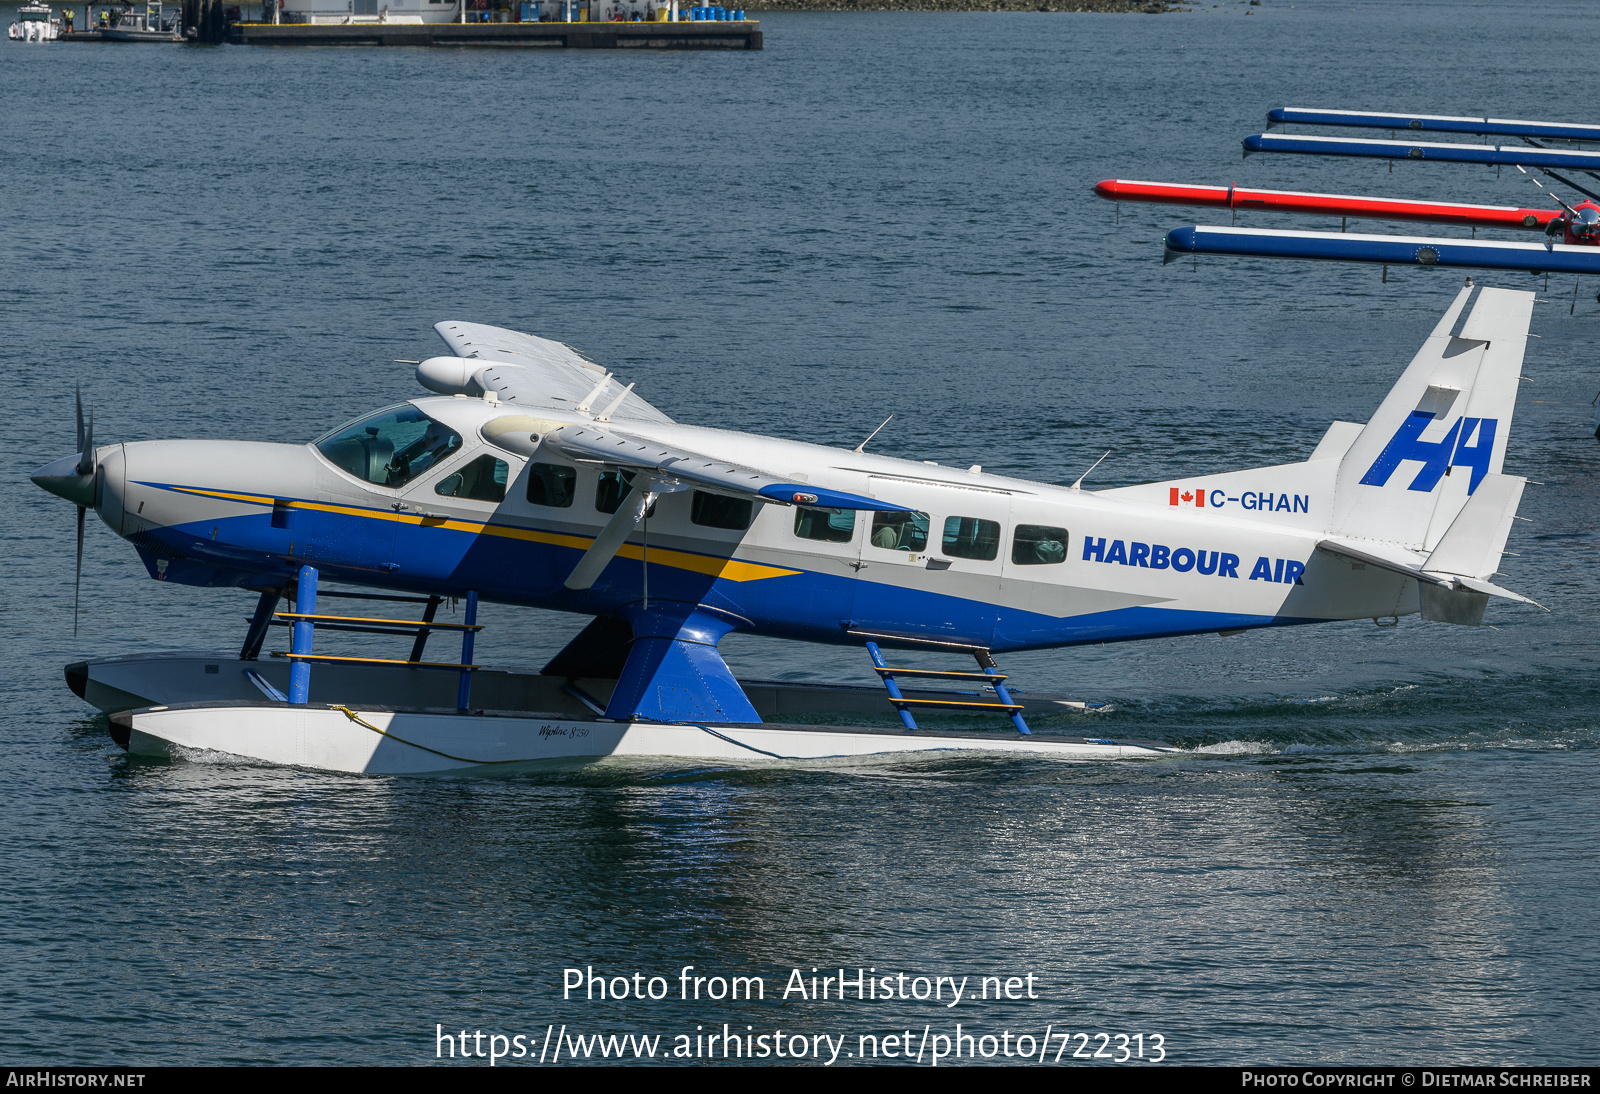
(1345, 205)
(1492, 254)
(1506, 155)
(540, 372)
(1437, 123)
(594, 445)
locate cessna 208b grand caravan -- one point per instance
(534, 478)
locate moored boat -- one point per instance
(35, 23)
(143, 26)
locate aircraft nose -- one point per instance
(63, 479)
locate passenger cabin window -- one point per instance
(551, 484)
(969, 537)
(900, 531)
(484, 479)
(391, 447)
(1038, 545)
(613, 488)
(720, 511)
(827, 525)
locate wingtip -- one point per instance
(1178, 243)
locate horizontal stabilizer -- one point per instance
(593, 445)
(1387, 250)
(1346, 551)
(1339, 205)
(1433, 123)
(1507, 155)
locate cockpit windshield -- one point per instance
(391, 447)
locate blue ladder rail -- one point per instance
(990, 674)
(305, 620)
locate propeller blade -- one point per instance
(77, 391)
(86, 449)
(77, 576)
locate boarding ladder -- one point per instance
(988, 675)
(305, 620)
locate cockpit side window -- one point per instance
(391, 447)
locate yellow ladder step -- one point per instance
(409, 624)
(376, 661)
(958, 704)
(942, 674)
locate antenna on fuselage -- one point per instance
(862, 446)
(1079, 484)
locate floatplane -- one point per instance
(534, 477)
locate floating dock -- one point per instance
(695, 34)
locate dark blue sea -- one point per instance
(1381, 844)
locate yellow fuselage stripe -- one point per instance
(730, 569)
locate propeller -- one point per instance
(86, 466)
(73, 478)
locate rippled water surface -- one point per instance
(1381, 843)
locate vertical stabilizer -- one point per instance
(1442, 429)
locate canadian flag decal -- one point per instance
(1179, 496)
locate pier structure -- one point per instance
(695, 34)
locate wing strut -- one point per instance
(617, 530)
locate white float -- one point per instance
(379, 742)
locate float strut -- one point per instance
(259, 622)
(305, 603)
(464, 690)
(421, 643)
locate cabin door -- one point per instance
(931, 573)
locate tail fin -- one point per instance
(1441, 431)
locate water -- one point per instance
(1382, 845)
